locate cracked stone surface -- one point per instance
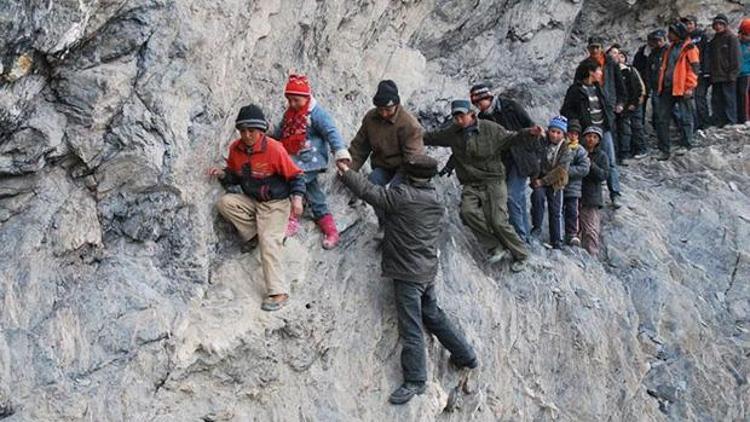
(123, 296)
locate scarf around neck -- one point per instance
(294, 127)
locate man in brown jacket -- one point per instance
(388, 136)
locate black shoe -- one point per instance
(616, 202)
(471, 364)
(536, 232)
(557, 245)
(663, 157)
(407, 390)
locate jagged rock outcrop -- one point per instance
(124, 297)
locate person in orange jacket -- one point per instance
(678, 78)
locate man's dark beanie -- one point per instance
(421, 166)
(251, 117)
(387, 94)
(574, 126)
(721, 18)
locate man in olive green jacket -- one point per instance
(477, 146)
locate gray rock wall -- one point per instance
(124, 297)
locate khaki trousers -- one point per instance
(484, 209)
(268, 221)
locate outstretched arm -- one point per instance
(446, 137)
(377, 196)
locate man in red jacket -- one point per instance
(271, 184)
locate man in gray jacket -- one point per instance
(412, 222)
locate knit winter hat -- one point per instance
(479, 92)
(679, 29)
(387, 94)
(559, 122)
(594, 129)
(298, 85)
(745, 26)
(251, 117)
(421, 166)
(596, 40)
(574, 126)
(460, 107)
(721, 18)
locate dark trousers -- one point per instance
(743, 84)
(638, 134)
(702, 115)
(570, 205)
(667, 106)
(630, 136)
(724, 103)
(624, 133)
(553, 200)
(416, 305)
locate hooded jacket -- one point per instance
(577, 170)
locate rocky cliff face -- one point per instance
(124, 297)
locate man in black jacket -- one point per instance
(520, 163)
(585, 102)
(413, 215)
(724, 65)
(648, 65)
(630, 139)
(702, 115)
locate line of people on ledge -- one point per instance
(497, 153)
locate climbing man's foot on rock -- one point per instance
(274, 302)
(407, 390)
